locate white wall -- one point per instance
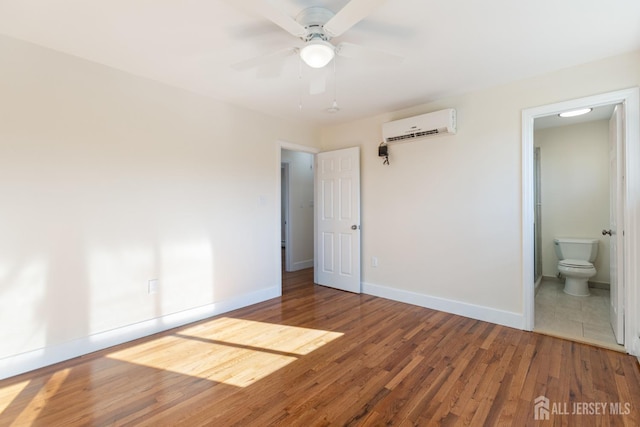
(301, 207)
(574, 163)
(109, 180)
(445, 218)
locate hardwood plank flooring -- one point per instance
(319, 356)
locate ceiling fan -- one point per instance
(316, 26)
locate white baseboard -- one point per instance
(301, 265)
(487, 314)
(35, 359)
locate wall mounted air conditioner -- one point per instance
(441, 122)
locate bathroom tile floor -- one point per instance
(583, 319)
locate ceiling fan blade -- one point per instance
(352, 13)
(270, 10)
(271, 70)
(264, 59)
(354, 51)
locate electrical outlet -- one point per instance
(374, 261)
(152, 286)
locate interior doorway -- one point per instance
(296, 193)
(627, 286)
(297, 209)
(325, 237)
(572, 201)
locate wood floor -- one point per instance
(318, 356)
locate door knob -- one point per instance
(605, 232)
(354, 227)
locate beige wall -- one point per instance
(574, 171)
(109, 180)
(445, 218)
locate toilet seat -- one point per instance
(575, 263)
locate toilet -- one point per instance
(575, 263)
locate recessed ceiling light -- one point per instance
(575, 113)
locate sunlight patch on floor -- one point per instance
(31, 411)
(9, 393)
(232, 351)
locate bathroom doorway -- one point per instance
(571, 169)
(582, 311)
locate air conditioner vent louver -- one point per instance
(438, 123)
(412, 135)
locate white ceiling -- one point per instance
(449, 46)
(603, 112)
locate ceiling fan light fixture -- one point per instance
(317, 53)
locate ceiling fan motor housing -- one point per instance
(313, 20)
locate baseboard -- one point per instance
(301, 265)
(593, 285)
(600, 285)
(553, 279)
(536, 287)
(487, 314)
(25, 362)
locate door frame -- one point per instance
(631, 212)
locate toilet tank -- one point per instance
(570, 248)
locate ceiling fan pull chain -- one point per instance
(334, 106)
(335, 80)
(300, 82)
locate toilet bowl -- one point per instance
(575, 257)
(577, 274)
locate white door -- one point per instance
(338, 219)
(616, 184)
